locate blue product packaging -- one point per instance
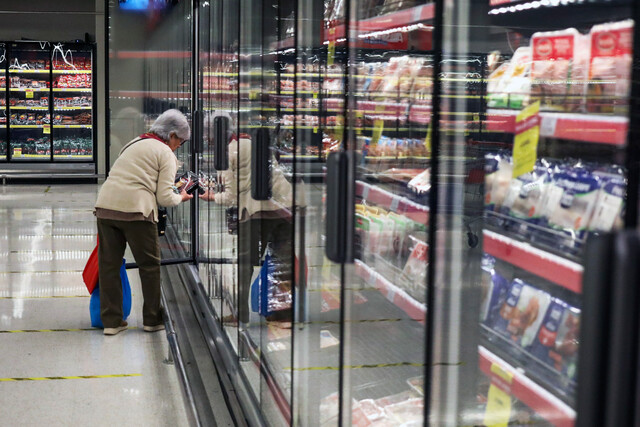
(494, 291)
(556, 344)
(522, 313)
(568, 206)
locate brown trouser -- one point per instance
(142, 237)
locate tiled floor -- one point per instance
(46, 235)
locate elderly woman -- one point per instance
(127, 211)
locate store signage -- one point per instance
(498, 410)
(525, 141)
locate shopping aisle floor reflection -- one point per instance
(49, 351)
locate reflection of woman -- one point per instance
(127, 210)
(262, 223)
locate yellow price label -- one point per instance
(359, 121)
(378, 128)
(17, 152)
(525, 141)
(498, 411)
(331, 53)
(28, 93)
(315, 129)
(46, 129)
(315, 94)
(253, 94)
(427, 139)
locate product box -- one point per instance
(607, 215)
(556, 344)
(610, 67)
(522, 313)
(560, 69)
(498, 172)
(494, 292)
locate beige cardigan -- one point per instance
(237, 184)
(141, 179)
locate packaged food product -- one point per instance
(569, 203)
(510, 84)
(556, 344)
(522, 313)
(560, 69)
(607, 215)
(610, 67)
(494, 292)
(498, 172)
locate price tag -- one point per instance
(525, 141)
(498, 411)
(253, 94)
(548, 125)
(359, 122)
(28, 93)
(315, 94)
(427, 139)
(331, 53)
(17, 152)
(315, 129)
(378, 127)
(46, 129)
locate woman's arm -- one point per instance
(165, 195)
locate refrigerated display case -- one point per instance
(73, 120)
(29, 95)
(3, 102)
(49, 102)
(401, 196)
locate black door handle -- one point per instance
(197, 132)
(221, 143)
(340, 206)
(261, 165)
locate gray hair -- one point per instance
(171, 121)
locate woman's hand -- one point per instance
(209, 196)
(184, 194)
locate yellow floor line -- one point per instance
(18, 331)
(76, 377)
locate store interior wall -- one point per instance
(62, 20)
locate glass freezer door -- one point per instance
(531, 148)
(3, 102)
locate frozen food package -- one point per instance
(569, 203)
(414, 275)
(522, 313)
(559, 70)
(510, 84)
(610, 67)
(525, 197)
(556, 344)
(421, 184)
(371, 410)
(607, 215)
(498, 172)
(494, 291)
(407, 411)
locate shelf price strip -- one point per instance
(554, 268)
(526, 390)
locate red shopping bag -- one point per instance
(90, 273)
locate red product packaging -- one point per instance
(610, 67)
(560, 61)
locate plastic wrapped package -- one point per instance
(494, 292)
(498, 172)
(510, 84)
(610, 67)
(559, 70)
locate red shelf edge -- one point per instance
(543, 264)
(576, 127)
(526, 390)
(403, 206)
(394, 294)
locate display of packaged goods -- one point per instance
(72, 64)
(392, 147)
(72, 146)
(522, 313)
(559, 70)
(74, 101)
(30, 119)
(73, 81)
(84, 118)
(17, 102)
(557, 204)
(509, 85)
(421, 183)
(29, 64)
(17, 82)
(494, 292)
(3, 82)
(610, 67)
(556, 344)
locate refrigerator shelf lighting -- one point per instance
(13, 70)
(554, 268)
(526, 390)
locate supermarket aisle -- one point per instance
(47, 346)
